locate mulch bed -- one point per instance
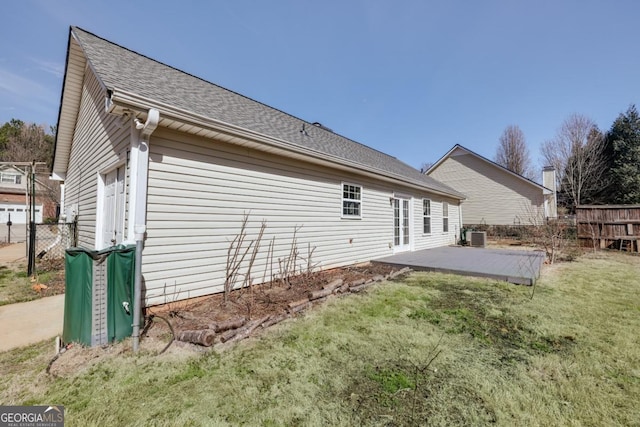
(210, 320)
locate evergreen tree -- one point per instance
(623, 155)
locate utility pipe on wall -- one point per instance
(139, 178)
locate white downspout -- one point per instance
(139, 174)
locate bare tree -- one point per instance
(425, 166)
(512, 152)
(30, 143)
(577, 154)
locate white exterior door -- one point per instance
(401, 225)
(113, 208)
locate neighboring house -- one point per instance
(14, 202)
(145, 148)
(495, 195)
(13, 197)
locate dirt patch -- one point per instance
(477, 313)
(260, 301)
(51, 275)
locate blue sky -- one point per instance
(410, 78)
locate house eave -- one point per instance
(69, 106)
(119, 102)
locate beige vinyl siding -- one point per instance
(437, 237)
(199, 190)
(100, 142)
(494, 196)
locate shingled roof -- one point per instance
(122, 70)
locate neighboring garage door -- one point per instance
(18, 213)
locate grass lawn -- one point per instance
(16, 286)
(431, 349)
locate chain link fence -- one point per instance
(53, 239)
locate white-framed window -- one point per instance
(426, 216)
(445, 217)
(10, 178)
(351, 200)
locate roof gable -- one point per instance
(121, 70)
(458, 150)
(8, 168)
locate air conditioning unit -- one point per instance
(478, 239)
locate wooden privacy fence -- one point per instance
(609, 226)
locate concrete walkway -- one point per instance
(30, 322)
(515, 266)
(14, 253)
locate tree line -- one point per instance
(29, 142)
(592, 167)
(26, 142)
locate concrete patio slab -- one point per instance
(514, 266)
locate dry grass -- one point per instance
(16, 286)
(430, 350)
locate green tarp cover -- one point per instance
(120, 281)
(77, 297)
(78, 294)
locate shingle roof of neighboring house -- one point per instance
(492, 163)
(120, 69)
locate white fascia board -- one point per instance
(441, 159)
(121, 101)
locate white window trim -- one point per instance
(342, 200)
(412, 232)
(445, 204)
(102, 175)
(430, 216)
(14, 175)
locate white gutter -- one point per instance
(122, 101)
(138, 177)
